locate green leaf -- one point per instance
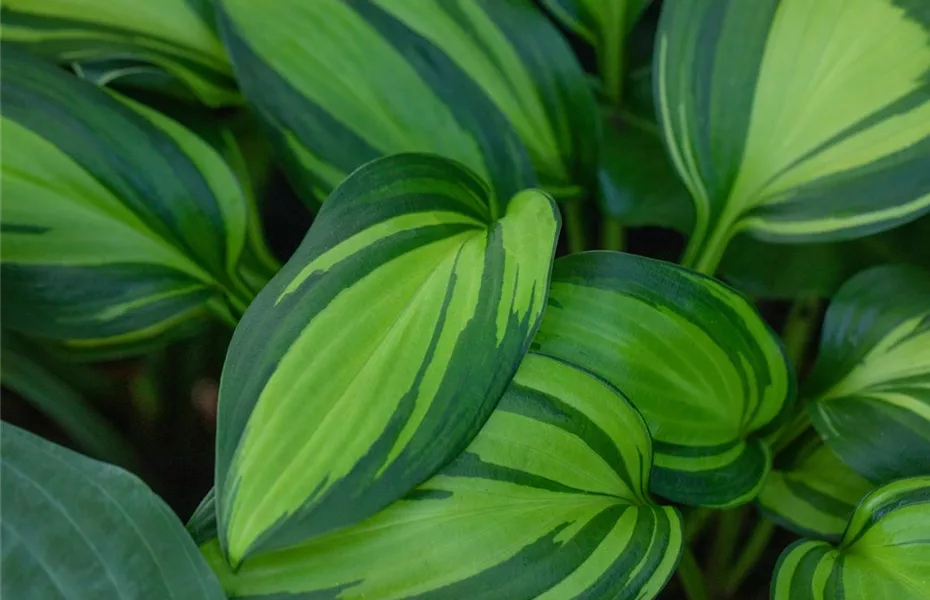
(120, 227)
(818, 270)
(884, 553)
(80, 529)
(237, 136)
(693, 356)
(871, 383)
(484, 82)
(796, 121)
(638, 185)
(22, 372)
(126, 38)
(378, 351)
(202, 524)
(811, 491)
(548, 501)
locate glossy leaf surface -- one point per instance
(884, 553)
(484, 82)
(119, 225)
(796, 121)
(871, 383)
(77, 528)
(123, 38)
(548, 501)
(691, 354)
(378, 351)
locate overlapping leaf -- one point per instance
(811, 491)
(119, 225)
(692, 355)
(871, 383)
(484, 82)
(548, 501)
(117, 39)
(76, 528)
(378, 351)
(884, 553)
(795, 120)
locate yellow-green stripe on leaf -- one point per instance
(119, 225)
(490, 84)
(549, 501)
(691, 354)
(795, 120)
(122, 38)
(870, 386)
(884, 553)
(378, 351)
(811, 491)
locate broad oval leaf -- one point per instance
(793, 120)
(884, 553)
(483, 82)
(691, 354)
(549, 501)
(870, 386)
(811, 491)
(378, 351)
(77, 528)
(121, 38)
(119, 225)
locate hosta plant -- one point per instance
(382, 299)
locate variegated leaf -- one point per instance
(485, 82)
(121, 39)
(884, 553)
(691, 354)
(793, 120)
(378, 351)
(811, 491)
(119, 225)
(870, 386)
(549, 501)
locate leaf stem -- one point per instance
(802, 319)
(728, 529)
(696, 522)
(752, 552)
(689, 573)
(610, 55)
(612, 234)
(575, 226)
(704, 253)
